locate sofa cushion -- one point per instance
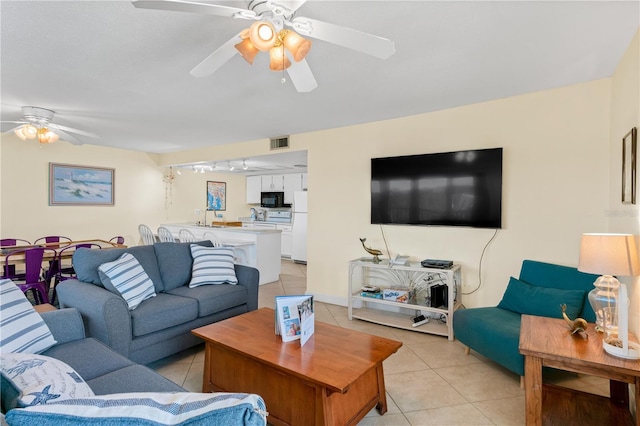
(163, 311)
(194, 409)
(524, 298)
(125, 276)
(212, 265)
(212, 299)
(174, 261)
(82, 355)
(559, 276)
(86, 262)
(492, 332)
(41, 379)
(21, 328)
(134, 378)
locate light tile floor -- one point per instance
(429, 381)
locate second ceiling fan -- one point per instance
(286, 46)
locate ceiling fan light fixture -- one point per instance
(47, 136)
(296, 44)
(28, 131)
(247, 50)
(279, 60)
(262, 35)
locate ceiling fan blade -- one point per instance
(15, 122)
(217, 58)
(347, 37)
(72, 130)
(68, 137)
(301, 76)
(192, 7)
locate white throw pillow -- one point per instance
(212, 265)
(180, 408)
(41, 379)
(129, 279)
(21, 327)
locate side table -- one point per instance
(547, 342)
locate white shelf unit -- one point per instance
(413, 278)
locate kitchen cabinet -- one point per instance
(272, 183)
(287, 240)
(292, 183)
(254, 187)
(272, 226)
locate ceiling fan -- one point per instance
(268, 33)
(37, 123)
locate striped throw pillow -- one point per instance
(129, 279)
(212, 265)
(21, 327)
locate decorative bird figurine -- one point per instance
(374, 252)
(578, 325)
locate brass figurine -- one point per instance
(578, 325)
(371, 251)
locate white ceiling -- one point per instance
(123, 73)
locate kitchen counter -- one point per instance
(259, 248)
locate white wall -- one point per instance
(24, 190)
(625, 114)
(552, 191)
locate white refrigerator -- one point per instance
(299, 233)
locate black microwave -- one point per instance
(272, 199)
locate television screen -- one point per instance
(462, 188)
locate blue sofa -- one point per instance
(159, 326)
(541, 288)
(110, 375)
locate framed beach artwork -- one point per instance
(71, 185)
(216, 195)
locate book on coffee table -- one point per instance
(294, 318)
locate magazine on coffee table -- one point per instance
(294, 318)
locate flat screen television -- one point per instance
(462, 188)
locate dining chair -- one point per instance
(186, 236)
(64, 265)
(165, 236)
(148, 239)
(51, 240)
(9, 271)
(33, 280)
(117, 239)
(212, 237)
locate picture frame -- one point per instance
(216, 196)
(73, 185)
(629, 166)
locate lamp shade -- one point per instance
(27, 131)
(279, 60)
(47, 136)
(247, 50)
(263, 35)
(609, 254)
(297, 45)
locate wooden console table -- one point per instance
(547, 342)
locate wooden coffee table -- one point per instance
(335, 379)
(547, 342)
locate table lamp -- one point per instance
(609, 255)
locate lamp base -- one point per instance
(616, 349)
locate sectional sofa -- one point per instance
(124, 392)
